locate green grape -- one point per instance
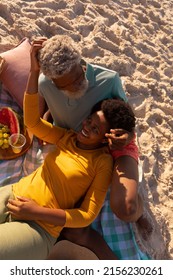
(4, 136)
(1, 142)
(5, 146)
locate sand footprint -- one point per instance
(106, 44)
(145, 49)
(85, 30)
(92, 51)
(5, 13)
(51, 5)
(99, 2)
(63, 22)
(168, 72)
(140, 111)
(111, 35)
(108, 14)
(156, 4)
(142, 17)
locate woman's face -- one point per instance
(92, 134)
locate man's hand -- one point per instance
(23, 208)
(118, 138)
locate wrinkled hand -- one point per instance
(23, 208)
(118, 138)
(35, 47)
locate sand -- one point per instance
(133, 37)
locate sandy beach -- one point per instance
(134, 38)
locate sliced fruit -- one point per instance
(10, 123)
(9, 118)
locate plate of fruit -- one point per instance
(10, 123)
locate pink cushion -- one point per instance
(16, 69)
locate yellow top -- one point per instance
(67, 174)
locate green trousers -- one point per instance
(21, 240)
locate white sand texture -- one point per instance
(134, 38)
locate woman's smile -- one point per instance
(93, 131)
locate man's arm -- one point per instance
(125, 201)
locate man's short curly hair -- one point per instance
(58, 56)
(117, 113)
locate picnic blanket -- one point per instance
(118, 234)
(12, 170)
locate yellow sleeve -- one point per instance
(39, 127)
(94, 198)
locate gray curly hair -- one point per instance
(58, 56)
